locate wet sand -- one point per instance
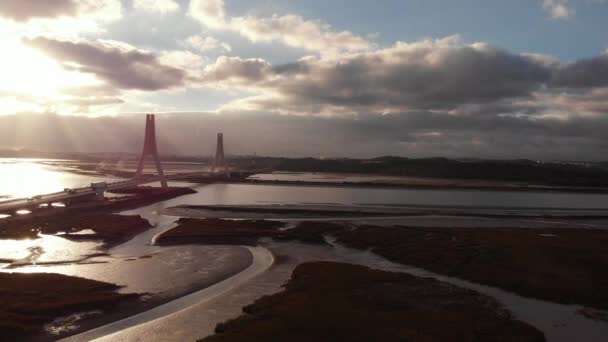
(262, 259)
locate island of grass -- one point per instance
(241, 232)
(29, 301)
(110, 228)
(561, 265)
(327, 301)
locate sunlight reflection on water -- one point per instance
(47, 248)
(21, 178)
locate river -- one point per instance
(225, 276)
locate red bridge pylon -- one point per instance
(150, 149)
(219, 152)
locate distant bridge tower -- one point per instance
(219, 152)
(150, 149)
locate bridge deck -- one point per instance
(33, 202)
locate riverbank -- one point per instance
(326, 301)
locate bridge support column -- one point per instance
(150, 149)
(219, 152)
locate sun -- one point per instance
(28, 75)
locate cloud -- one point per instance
(430, 74)
(156, 6)
(209, 12)
(25, 10)
(206, 44)
(291, 30)
(237, 71)
(585, 73)
(184, 60)
(558, 9)
(119, 64)
(96, 90)
(93, 101)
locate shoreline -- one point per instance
(262, 259)
(380, 185)
(378, 211)
(508, 186)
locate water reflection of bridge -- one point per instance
(150, 149)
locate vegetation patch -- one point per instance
(327, 301)
(29, 301)
(560, 265)
(110, 228)
(242, 232)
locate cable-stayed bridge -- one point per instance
(150, 149)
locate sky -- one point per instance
(340, 78)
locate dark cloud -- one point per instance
(24, 10)
(442, 74)
(461, 75)
(245, 71)
(121, 66)
(586, 73)
(290, 68)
